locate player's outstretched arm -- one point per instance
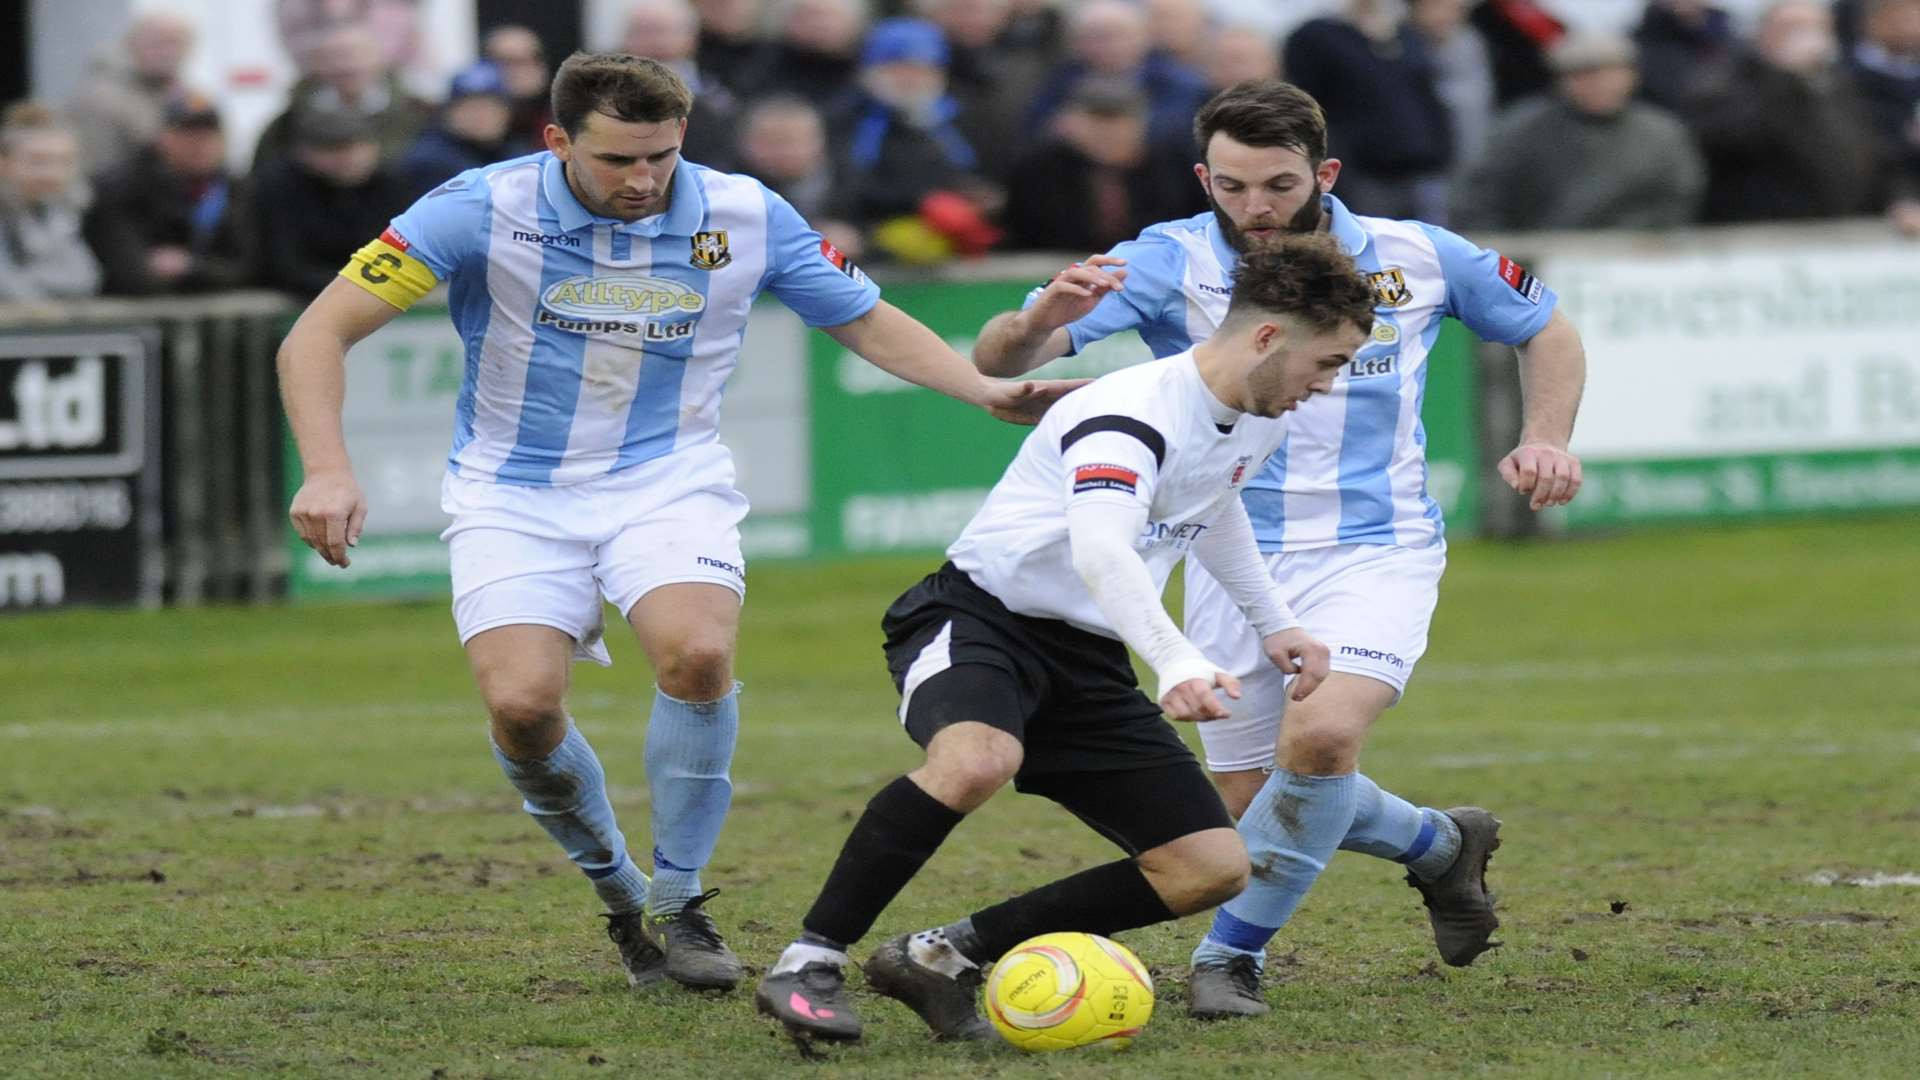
(1101, 536)
(901, 345)
(1230, 553)
(1553, 372)
(329, 509)
(1015, 342)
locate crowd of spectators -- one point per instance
(918, 130)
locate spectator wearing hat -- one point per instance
(475, 128)
(42, 198)
(903, 139)
(522, 61)
(349, 76)
(318, 205)
(1099, 179)
(170, 219)
(116, 110)
(1112, 38)
(1591, 157)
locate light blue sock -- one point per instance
(689, 747)
(566, 792)
(1292, 828)
(1389, 827)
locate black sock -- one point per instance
(899, 832)
(1104, 900)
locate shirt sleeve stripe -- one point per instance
(1125, 425)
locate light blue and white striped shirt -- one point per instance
(592, 344)
(1353, 469)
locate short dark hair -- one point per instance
(631, 88)
(1264, 112)
(1307, 276)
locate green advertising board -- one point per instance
(898, 468)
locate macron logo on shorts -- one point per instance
(1105, 478)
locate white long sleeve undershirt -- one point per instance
(1231, 554)
(1100, 533)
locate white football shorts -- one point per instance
(1370, 604)
(550, 555)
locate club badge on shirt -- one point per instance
(1390, 288)
(710, 250)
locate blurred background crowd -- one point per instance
(925, 130)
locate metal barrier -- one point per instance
(219, 457)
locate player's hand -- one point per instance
(1194, 701)
(1299, 653)
(1547, 475)
(1077, 290)
(1026, 402)
(328, 512)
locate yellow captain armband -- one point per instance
(386, 269)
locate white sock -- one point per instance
(799, 955)
(931, 949)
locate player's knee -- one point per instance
(965, 767)
(1221, 873)
(528, 722)
(697, 670)
(1198, 871)
(973, 782)
(1321, 750)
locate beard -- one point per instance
(1305, 220)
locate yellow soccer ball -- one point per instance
(1062, 991)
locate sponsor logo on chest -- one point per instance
(654, 309)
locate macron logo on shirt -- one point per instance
(546, 239)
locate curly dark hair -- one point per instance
(1264, 112)
(632, 88)
(1306, 276)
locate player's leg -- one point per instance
(1292, 827)
(525, 604)
(1182, 856)
(521, 671)
(673, 567)
(903, 825)
(688, 631)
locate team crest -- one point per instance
(1390, 288)
(1239, 471)
(710, 250)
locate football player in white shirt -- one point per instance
(602, 289)
(1341, 512)
(1012, 658)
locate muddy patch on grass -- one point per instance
(1872, 880)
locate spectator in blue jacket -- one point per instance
(474, 129)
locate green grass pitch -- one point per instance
(272, 842)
